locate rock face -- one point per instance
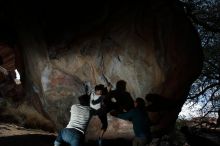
(154, 48)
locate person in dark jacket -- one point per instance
(140, 121)
(119, 99)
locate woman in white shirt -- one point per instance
(74, 133)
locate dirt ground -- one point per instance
(12, 135)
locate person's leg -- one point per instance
(103, 118)
(93, 112)
(72, 137)
(59, 139)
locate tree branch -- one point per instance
(203, 91)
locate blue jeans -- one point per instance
(70, 136)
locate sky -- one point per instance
(189, 111)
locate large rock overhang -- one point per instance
(152, 46)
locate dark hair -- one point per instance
(84, 100)
(140, 103)
(121, 85)
(105, 91)
(99, 87)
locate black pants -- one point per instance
(102, 114)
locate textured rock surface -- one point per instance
(153, 47)
(8, 57)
